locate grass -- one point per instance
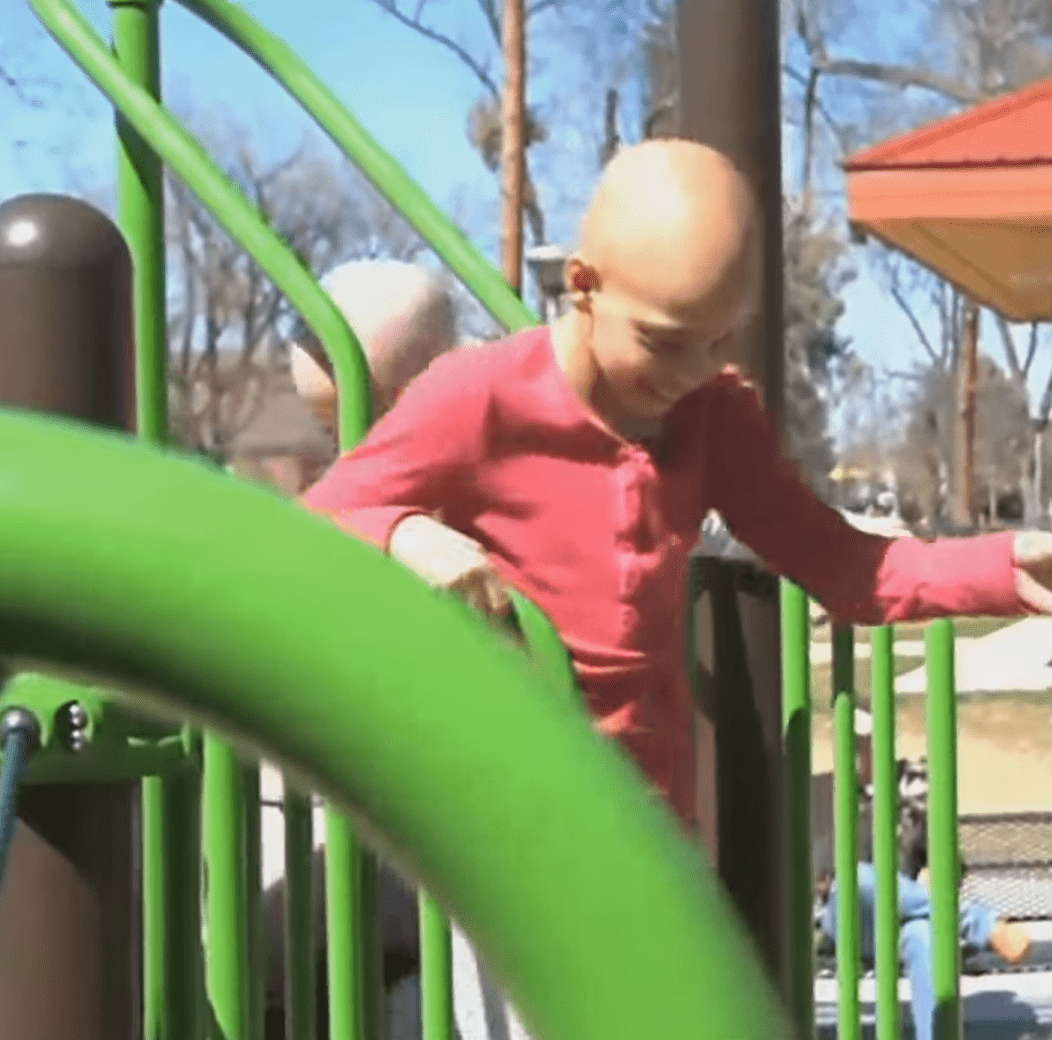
(1014, 719)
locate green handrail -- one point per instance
(458, 252)
(225, 201)
(885, 832)
(584, 898)
(796, 751)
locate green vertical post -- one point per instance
(436, 971)
(345, 934)
(173, 983)
(351, 906)
(885, 832)
(943, 856)
(171, 809)
(300, 961)
(227, 959)
(845, 835)
(140, 188)
(796, 735)
(255, 936)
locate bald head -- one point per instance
(672, 223)
(403, 316)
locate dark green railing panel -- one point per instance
(845, 794)
(300, 960)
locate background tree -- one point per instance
(859, 74)
(226, 317)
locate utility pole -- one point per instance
(513, 141)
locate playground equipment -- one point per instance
(644, 952)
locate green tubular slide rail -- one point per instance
(592, 910)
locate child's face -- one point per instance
(652, 356)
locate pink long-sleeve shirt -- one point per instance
(597, 530)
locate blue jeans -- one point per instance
(977, 925)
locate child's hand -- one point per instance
(1033, 560)
(450, 561)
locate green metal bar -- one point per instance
(227, 204)
(173, 989)
(345, 935)
(845, 835)
(796, 736)
(300, 960)
(140, 187)
(885, 827)
(227, 958)
(436, 972)
(255, 934)
(390, 179)
(171, 811)
(943, 856)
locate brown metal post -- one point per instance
(66, 348)
(730, 99)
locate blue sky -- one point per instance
(410, 94)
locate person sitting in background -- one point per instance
(980, 926)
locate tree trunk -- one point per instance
(513, 141)
(968, 373)
(1035, 496)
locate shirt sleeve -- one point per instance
(860, 578)
(417, 459)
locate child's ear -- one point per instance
(581, 281)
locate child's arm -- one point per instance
(860, 578)
(419, 459)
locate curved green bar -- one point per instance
(225, 201)
(450, 243)
(240, 610)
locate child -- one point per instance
(577, 461)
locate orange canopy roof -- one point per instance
(971, 198)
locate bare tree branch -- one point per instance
(893, 75)
(1044, 407)
(1031, 348)
(1011, 354)
(661, 110)
(611, 138)
(492, 15)
(904, 305)
(483, 76)
(820, 107)
(902, 76)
